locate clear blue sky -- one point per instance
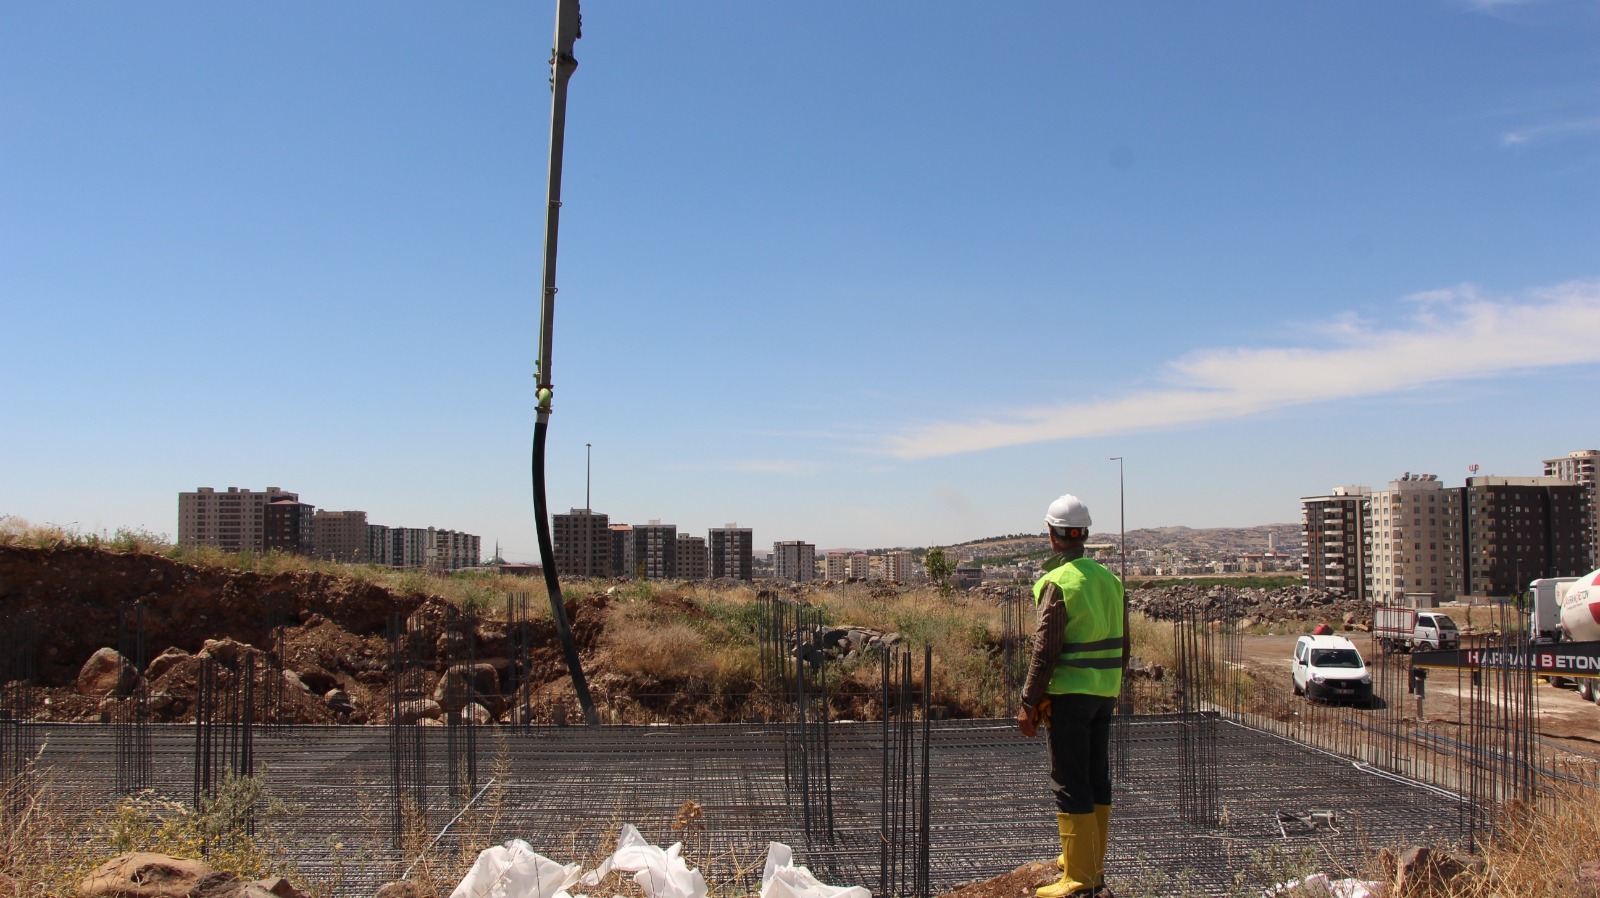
(872, 274)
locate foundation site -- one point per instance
(855, 746)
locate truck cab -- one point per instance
(1330, 668)
(1435, 631)
(1546, 595)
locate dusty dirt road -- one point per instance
(1564, 716)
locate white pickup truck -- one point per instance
(1404, 629)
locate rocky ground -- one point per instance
(1246, 605)
(66, 605)
(1249, 606)
(331, 634)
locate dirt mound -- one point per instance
(334, 651)
(75, 595)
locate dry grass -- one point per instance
(36, 848)
(484, 591)
(15, 531)
(47, 852)
(1540, 852)
(1152, 640)
(964, 632)
(640, 647)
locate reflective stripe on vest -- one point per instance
(1091, 643)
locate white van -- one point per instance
(1330, 668)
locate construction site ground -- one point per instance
(567, 791)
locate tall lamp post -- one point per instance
(1122, 516)
(588, 462)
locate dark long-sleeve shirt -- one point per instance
(1046, 646)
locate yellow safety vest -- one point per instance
(1091, 644)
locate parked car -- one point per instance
(1329, 668)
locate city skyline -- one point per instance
(907, 280)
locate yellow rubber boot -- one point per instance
(1102, 816)
(1080, 839)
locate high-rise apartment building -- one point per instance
(732, 550)
(232, 521)
(794, 561)
(655, 551)
(622, 565)
(1335, 528)
(452, 550)
(900, 566)
(433, 548)
(1522, 528)
(380, 545)
(836, 566)
(582, 543)
(1414, 540)
(694, 559)
(286, 526)
(342, 536)
(409, 546)
(860, 566)
(245, 521)
(1580, 467)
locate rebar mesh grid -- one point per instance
(906, 805)
(567, 790)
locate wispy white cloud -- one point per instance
(1450, 336)
(785, 466)
(1550, 131)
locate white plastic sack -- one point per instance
(782, 879)
(661, 874)
(514, 870)
(1319, 884)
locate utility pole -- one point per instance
(1122, 517)
(588, 462)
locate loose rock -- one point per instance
(405, 888)
(149, 875)
(419, 710)
(106, 672)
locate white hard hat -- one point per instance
(1067, 511)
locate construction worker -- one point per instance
(1080, 649)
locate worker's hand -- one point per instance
(1028, 722)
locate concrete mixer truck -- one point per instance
(1564, 644)
(1566, 610)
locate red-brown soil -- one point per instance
(334, 631)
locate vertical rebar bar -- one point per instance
(16, 711)
(132, 715)
(924, 821)
(205, 697)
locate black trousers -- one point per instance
(1079, 734)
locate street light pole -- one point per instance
(588, 460)
(1122, 516)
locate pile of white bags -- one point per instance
(1321, 884)
(514, 870)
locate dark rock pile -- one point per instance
(1286, 603)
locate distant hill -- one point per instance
(1228, 540)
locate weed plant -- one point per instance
(47, 852)
(220, 831)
